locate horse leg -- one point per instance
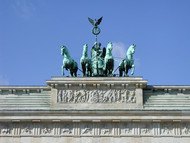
(120, 70)
(111, 69)
(125, 74)
(126, 71)
(86, 69)
(83, 68)
(120, 73)
(90, 70)
(110, 72)
(71, 73)
(105, 72)
(75, 72)
(63, 70)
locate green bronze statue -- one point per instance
(109, 61)
(128, 62)
(86, 62)
(96, 51)
(97, 59)
(68, 62)
(101, 62)
(97, 54)
(95, 30)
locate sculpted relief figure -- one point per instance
(5, 131)
(87, 129)
(67, 131)
(26, 130)
(185, 130)
(59, 96)
(46, 131)
(96, 96)
(93, 96)
(131, 96)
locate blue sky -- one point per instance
(32, 32)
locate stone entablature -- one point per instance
(114, 108)
(95, 123)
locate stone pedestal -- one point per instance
(97, 92)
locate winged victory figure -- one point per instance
(95, 22)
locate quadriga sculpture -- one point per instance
(128, 62)
(109, 61)
(86, 62)
(68, 62)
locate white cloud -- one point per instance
(119, 50)
(119, 53)
(3, 80)
(24, 8)
(137, 62)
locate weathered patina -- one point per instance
(109, 61)
(101, 63)
(86, 62)
(97, 59)
(68, 62)
(128, 62)
(95, 30)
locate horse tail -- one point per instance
(76, 64)
(121, 64)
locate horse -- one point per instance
(68, 62)
(86, 62)
(109, 61)
(128, 62)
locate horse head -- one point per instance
(109, 48)
(85, 50)
(131, 51)
(63, 50)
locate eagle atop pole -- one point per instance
(95, 23)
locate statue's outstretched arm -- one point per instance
(94, 44)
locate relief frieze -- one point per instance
(96, 96)
(94, 129)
